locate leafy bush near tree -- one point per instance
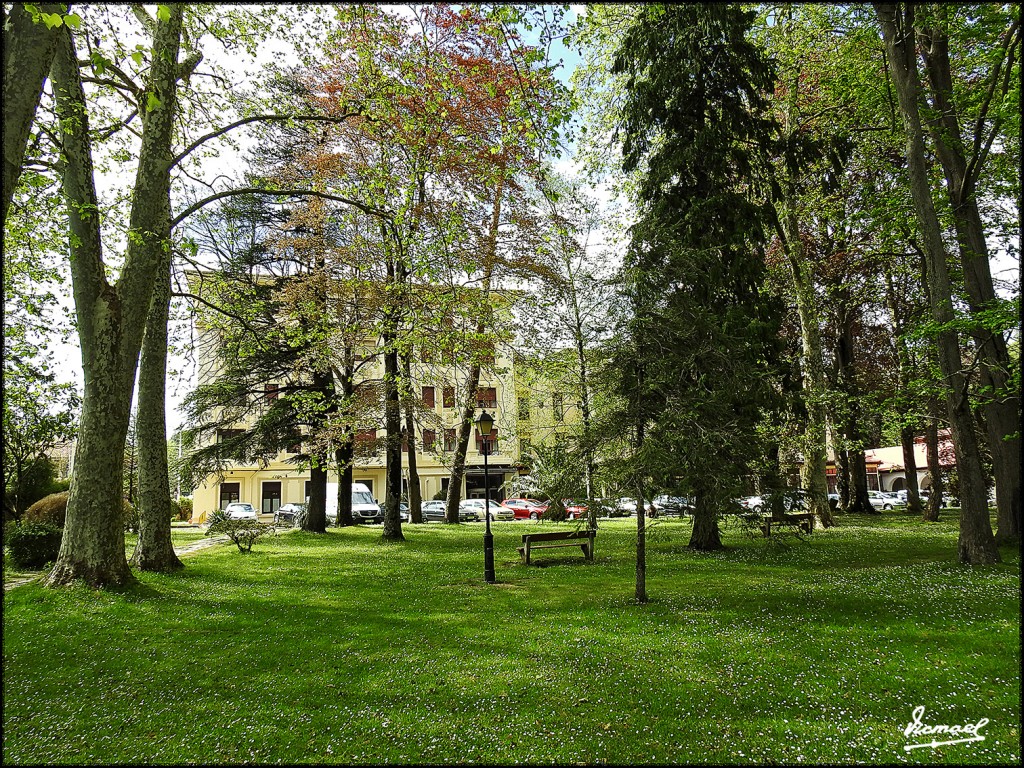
(33, 545)
(53, 510)
(184, 506)
(243, 533)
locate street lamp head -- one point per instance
(484, 423)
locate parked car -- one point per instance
(627, 505)
(752, 503)
(432, 510)
(365, 508)
(902, 495)
(884, 501)
(574, 510)
(286, 514)
(495, 510)
(404, 513)
(673, 505)
(240, 510)
(526, 509)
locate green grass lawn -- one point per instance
(340, 648)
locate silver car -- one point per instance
(495, 510)
(884, 501)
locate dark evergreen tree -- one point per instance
(696, 353)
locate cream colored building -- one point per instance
(440, 388)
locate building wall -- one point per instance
(433, 466)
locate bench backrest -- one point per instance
(558, 535)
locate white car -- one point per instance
(241, 510)
(495, 510)
(884, 501)
(754, 503)
(627, 506)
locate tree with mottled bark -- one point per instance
(976, 543)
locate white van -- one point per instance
(364, 508)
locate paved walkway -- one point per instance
(19, 579)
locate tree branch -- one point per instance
(246, 120)
(373, 211)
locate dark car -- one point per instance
(673, 505)
(286, 514)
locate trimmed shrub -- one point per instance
(51, 510)
(33, 545)
(243, 532)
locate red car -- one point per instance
(574, 509)
(526, 509)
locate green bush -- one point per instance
(33, 545)
(184, 509)
(51, 510)
(243, 532)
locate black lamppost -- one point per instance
(484, 424)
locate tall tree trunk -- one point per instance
(640, 592)
(451, 512)
(315, 519)
(705, 535)
(343, 456)
(345, 453)
(856, 469)
(904, 376)
(28, 54)
(976, 544)
(415, 499)
(111, 319)
(910, 470)
(154, 550)
(1000, 403)
(451, 509)
(930, 513)
(812, 471)
(393, 442)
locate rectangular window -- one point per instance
(295, 444)
(306, 497)
(486, 397)
(269, 392)
(227, 434)
(492, 441)
(366, 437)
(524, 408)
(449, 440)
(228, 493)
(271, 498)
(448, 397)
(429, 436)
(428, 397)
(557, 407)
(426, 355)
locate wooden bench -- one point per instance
(582, 539)
(802, 520)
